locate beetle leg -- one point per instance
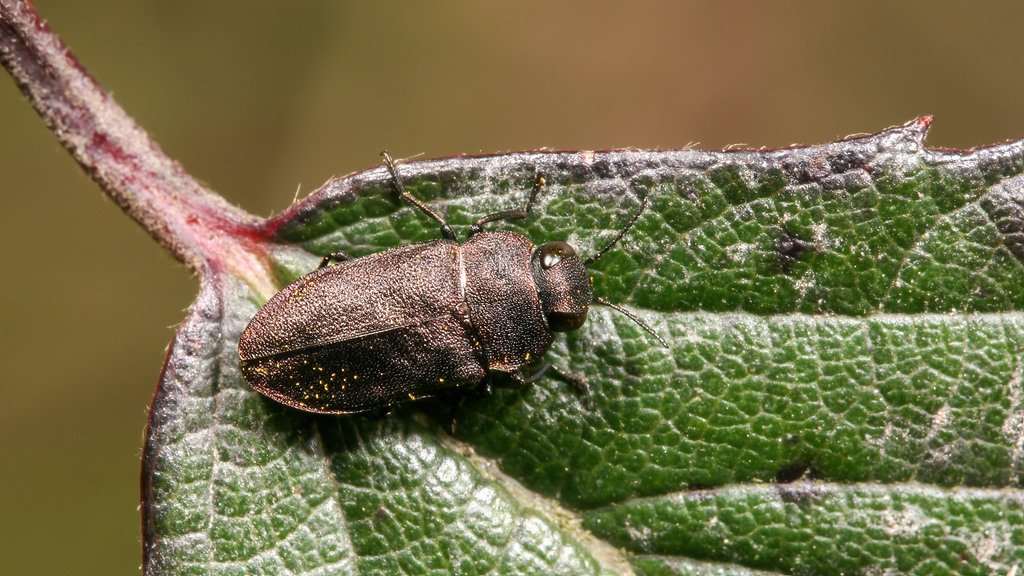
(338, 256)
(446, 230)
(578, 384)
(509, 214)
(524, 379)
(503, 215)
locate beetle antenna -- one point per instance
(632, 317)
(446, 230)
(618, 237)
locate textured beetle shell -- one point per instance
(397, 325)
(503, 300)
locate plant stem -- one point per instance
(195, 224)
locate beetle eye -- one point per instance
(553, 252)
(566, 321)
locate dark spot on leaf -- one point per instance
(789, 248)
(791, 438)
(603, 169)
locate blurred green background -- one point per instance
(266, 100)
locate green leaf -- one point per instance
(842, 391)
(816, 528)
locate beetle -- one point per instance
(359, 334)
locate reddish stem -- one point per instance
(196, 225)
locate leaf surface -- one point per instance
(842, 391)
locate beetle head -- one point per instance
(563, 286)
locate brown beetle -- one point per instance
(359, 334)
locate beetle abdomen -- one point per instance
(357, 374)
(366, 333)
